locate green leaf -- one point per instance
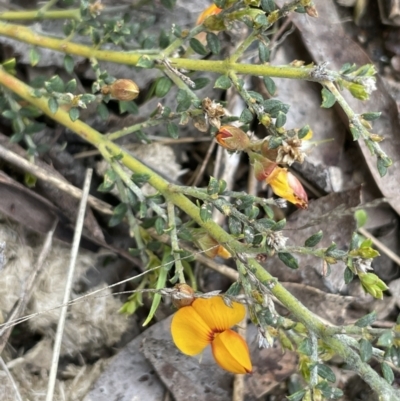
(34, 56)
(200, 83)
(365, 350)
(69, 63)
(161, 283)
(102, 111)
(266, 223)
(129, 107)
(206, 212)
(366, 320)
(280, 120)
(73, 113)
(234, 289)
(248, 233)
(235, 226)
(279, 225)
(328, 99)
(173, 130)
(385, 339)
(297, 396)
(56, 84)
(213, 186)
(303, 131)
(361, 217)
(314, 239)
(371, 116)
(213, 43)
(270, 85)
(163, 86)
(223, 82)
(305, 347)
(263, 52)
(274, 106)
(382, 167)
(9, 114)
(159, 225)
(108, 181)
(184, 101)
(53, 105)
(71, 86)
(196, 45)
(246, 117)
(288, 259)
(387, 372)
(268, 5)
(118, 215)
(145, 62)
(326, 372)
(348, 276)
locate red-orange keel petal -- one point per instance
(231, 352)
(190, 332)
(217, 315)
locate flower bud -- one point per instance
(121, 89)
(232, 138)
(184, 295)
(212, 10)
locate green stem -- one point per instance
(355, 120)
(174, 243)
(27, 35)
(133, 224)
(73, 13)
(243, 46)
(137, 127)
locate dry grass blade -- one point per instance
(68, 285)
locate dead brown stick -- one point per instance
(44, 175)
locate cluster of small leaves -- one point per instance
(117, 29)
(388, 340)
(59, 93)
(361, 82)
(243, 215)
(21, 117)
(140, 207)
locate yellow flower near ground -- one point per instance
(209, 321)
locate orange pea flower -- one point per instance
(208, 321)
(287, 186)
(212, 10)
(282, 181)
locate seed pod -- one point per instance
(184, 296)
(121, 89)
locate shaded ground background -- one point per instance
(339, 175)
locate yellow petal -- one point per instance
(231, 352)
(217, 315)
(190, 332)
